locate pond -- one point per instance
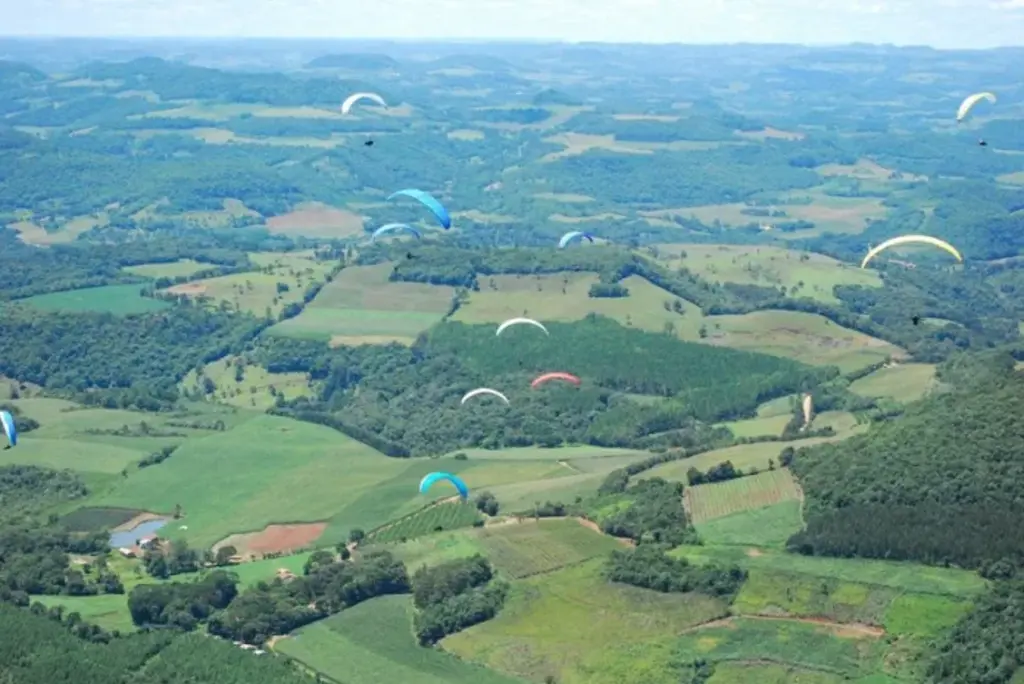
(120, 539)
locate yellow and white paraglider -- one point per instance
(911, 239)
(968, 104)
(808, 406)
(346, 106)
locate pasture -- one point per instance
(372, 643)
(762, 426)
(564, 624)
(802, 274)
(120, 300)
(317, 220)
(282, 279)
(172, 269)
(904, 382)
(720, 499)
(907, 577)
(775, 594)
(257, 389)
(33, 234)
(770, 526)
(579, 143)
(362, 306)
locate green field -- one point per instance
(524, 549)
(563, 624)
(109, 611)
(769, 526)
(909, 577)
(803, 274)
(246, 478)
(717, 500)
(439, 518)
(362, 306)
(373, 643)
(904, 382)
(254, 390)
(172, 269)
(120, 300)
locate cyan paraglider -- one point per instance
(9, 428)
(428, 481)
(427, 200)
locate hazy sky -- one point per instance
(942, 23)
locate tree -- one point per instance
(224, 555)
(356, 535)
(317, 560)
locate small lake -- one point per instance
(119, 539)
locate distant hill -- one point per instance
(550, 96)
(356, 60)
(479, 62)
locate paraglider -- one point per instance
(346, 106)
(915, 319)
(520, 321)
(982, 143)
(428, 481)
(541, 379)
(910, 239)
(368, 143)
(392, 227)
(483, 390)
(808, 406)
(572, 235)
(968, 104)
(10, 430)
(427, 200)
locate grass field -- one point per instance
(709, 501)
(519, 550)
(245, 478)
(173, 269)
(220, 218)
(562, 624)
(440, 518)
(768, 526)
(255, 390)
(743, 456)
(803, 274)
(563, 297)
(373, 643)
(121, 300)
(260, 292)
(828, 213)
(314, 219)
(907, 577)
(89, 518)
(360, 305)
(109, 611)
(773, 673)
(806, 646)
(905, 382)
(762, 426)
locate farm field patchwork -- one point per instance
(362, 306)
(33, 234)
(372, 643)
(445, 516)
(520, 550)
(559, 624)
(716, 500)
(313, 219)
(172, 269)
(120, 300)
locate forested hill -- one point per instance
(944, 484)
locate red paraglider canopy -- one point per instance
(541, 379)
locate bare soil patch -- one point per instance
(317, 220)
(274, 539)
(138, 520)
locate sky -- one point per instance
(939, 23)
